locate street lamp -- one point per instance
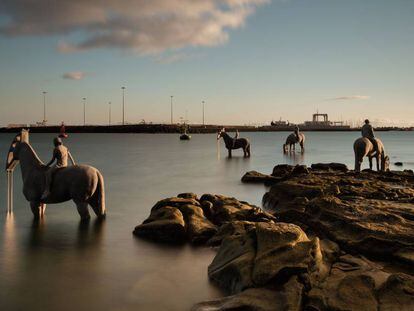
(109, 113)
(123, 105)
(203, 102)
(172, 109)
(44, 107)
(84, 111)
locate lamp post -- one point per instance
(84, 111)
(172, 109)
(110, 113)
(123, 105)
(203, 102)
(44, 107)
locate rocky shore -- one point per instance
(329, 239)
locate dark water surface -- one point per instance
(60, 264)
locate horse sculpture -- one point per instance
(235, 143)
(81, 183)
(292, 140)
(363, 147)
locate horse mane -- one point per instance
(33, 153)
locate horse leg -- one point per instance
(302, 148)
(370, 163)
(378, 164)
(37, 209)
(83, 210)
(229, 152)
(97, 209)
(43, 208)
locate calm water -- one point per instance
(61, 265)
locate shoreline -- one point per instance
(177, 128)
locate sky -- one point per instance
(251, 61)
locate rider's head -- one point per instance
(57, 141)
(366, 121)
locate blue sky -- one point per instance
(351, 59)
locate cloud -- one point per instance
(74, 75)
(352, 97)
(147, 27)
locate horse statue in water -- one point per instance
(81, 183)
(234, 143)
(292, 140)
(363, 147)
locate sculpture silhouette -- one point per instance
(81, 183)
(363, 147)
(234, 143)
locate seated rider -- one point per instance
(297, 132)
(60, 155)
(235, 138)
(367, 131)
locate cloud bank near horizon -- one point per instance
(146, 27)
(74, 75)
(352, 97)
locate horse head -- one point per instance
(13, 154)
(221, 133)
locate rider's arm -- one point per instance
(51, 161)
(71, 158)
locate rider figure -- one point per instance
(367, 131)
(297, 132)
(235, 138)
(60, 155)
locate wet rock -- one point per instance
(175, 202)
(356, 283)
(234, 228)
(254, 299)
(199, 228)
(268, 253)
(232, 267)
(256, 177)
(398, 164)
(288, 298)
(330, 166)
(368, 213)
(282, 170)
(165, 224)
(187, 195)
(300, 170)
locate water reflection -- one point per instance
(294, 158)
(9, 250)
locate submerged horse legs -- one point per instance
(38, 209)
(83, 210)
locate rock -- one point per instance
(165, 224)
(253, 299)
(263, 254)
(256, 177)
(175, 202)
(283, 250)
(234, 228)
(300, 170)
(282, 170)
(397, 293)
(330, 166)
(288, 298)
(359, 284)
(227, 209)
(398, 164)
(187, 195)
(368, 213)
(199, 228)
(232, 267)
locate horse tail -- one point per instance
(97, 200)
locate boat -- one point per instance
(185, 135)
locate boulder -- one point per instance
(199, 228)
(256, 177)
(330, 166)
(165, 224)
(287, 298)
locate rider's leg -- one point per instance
(48, 181)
